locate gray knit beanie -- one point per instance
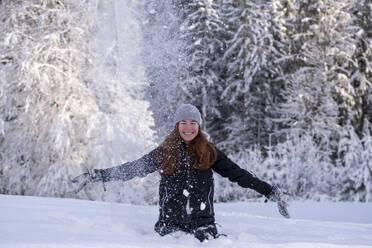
(187, 112)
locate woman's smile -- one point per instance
(188, 129)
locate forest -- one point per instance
(284, 88)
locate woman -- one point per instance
(186, 161)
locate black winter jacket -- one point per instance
(186, 197)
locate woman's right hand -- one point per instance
(91, 176)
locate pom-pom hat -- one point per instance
(187, 112)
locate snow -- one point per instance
(186, 193)
(36, 222)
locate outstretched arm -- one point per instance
(227, 168)
(137, 168)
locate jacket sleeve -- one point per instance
(227, 168)
(137, 168)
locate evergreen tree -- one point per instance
(254, 49)
(201, 31)
(366, 158)
(319, 91)
(361, 68)
(354, 173)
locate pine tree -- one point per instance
(361, 68)
(319, 89)
(353, 172)
(366, 159)
(201, 32)
(254, 48)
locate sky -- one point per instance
(40, 222)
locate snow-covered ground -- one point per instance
(37, 222)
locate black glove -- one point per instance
(276, 195)
(91, 176)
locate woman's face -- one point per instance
(188, 129)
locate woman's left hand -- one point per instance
(277, 196)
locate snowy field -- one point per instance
(55, 223)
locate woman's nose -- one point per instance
(190, 127)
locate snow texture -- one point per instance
(36, 222)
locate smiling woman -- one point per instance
(187, 118)
(186, 161)
(188, 129)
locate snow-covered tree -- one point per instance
(122, 127)
(71, 95)
(366, 158)
(361, 69)
(161, 22)
(319, 92)
(253, 72)
(46, 43)
(201, 31)
(353, 171)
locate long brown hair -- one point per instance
(201, 151)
